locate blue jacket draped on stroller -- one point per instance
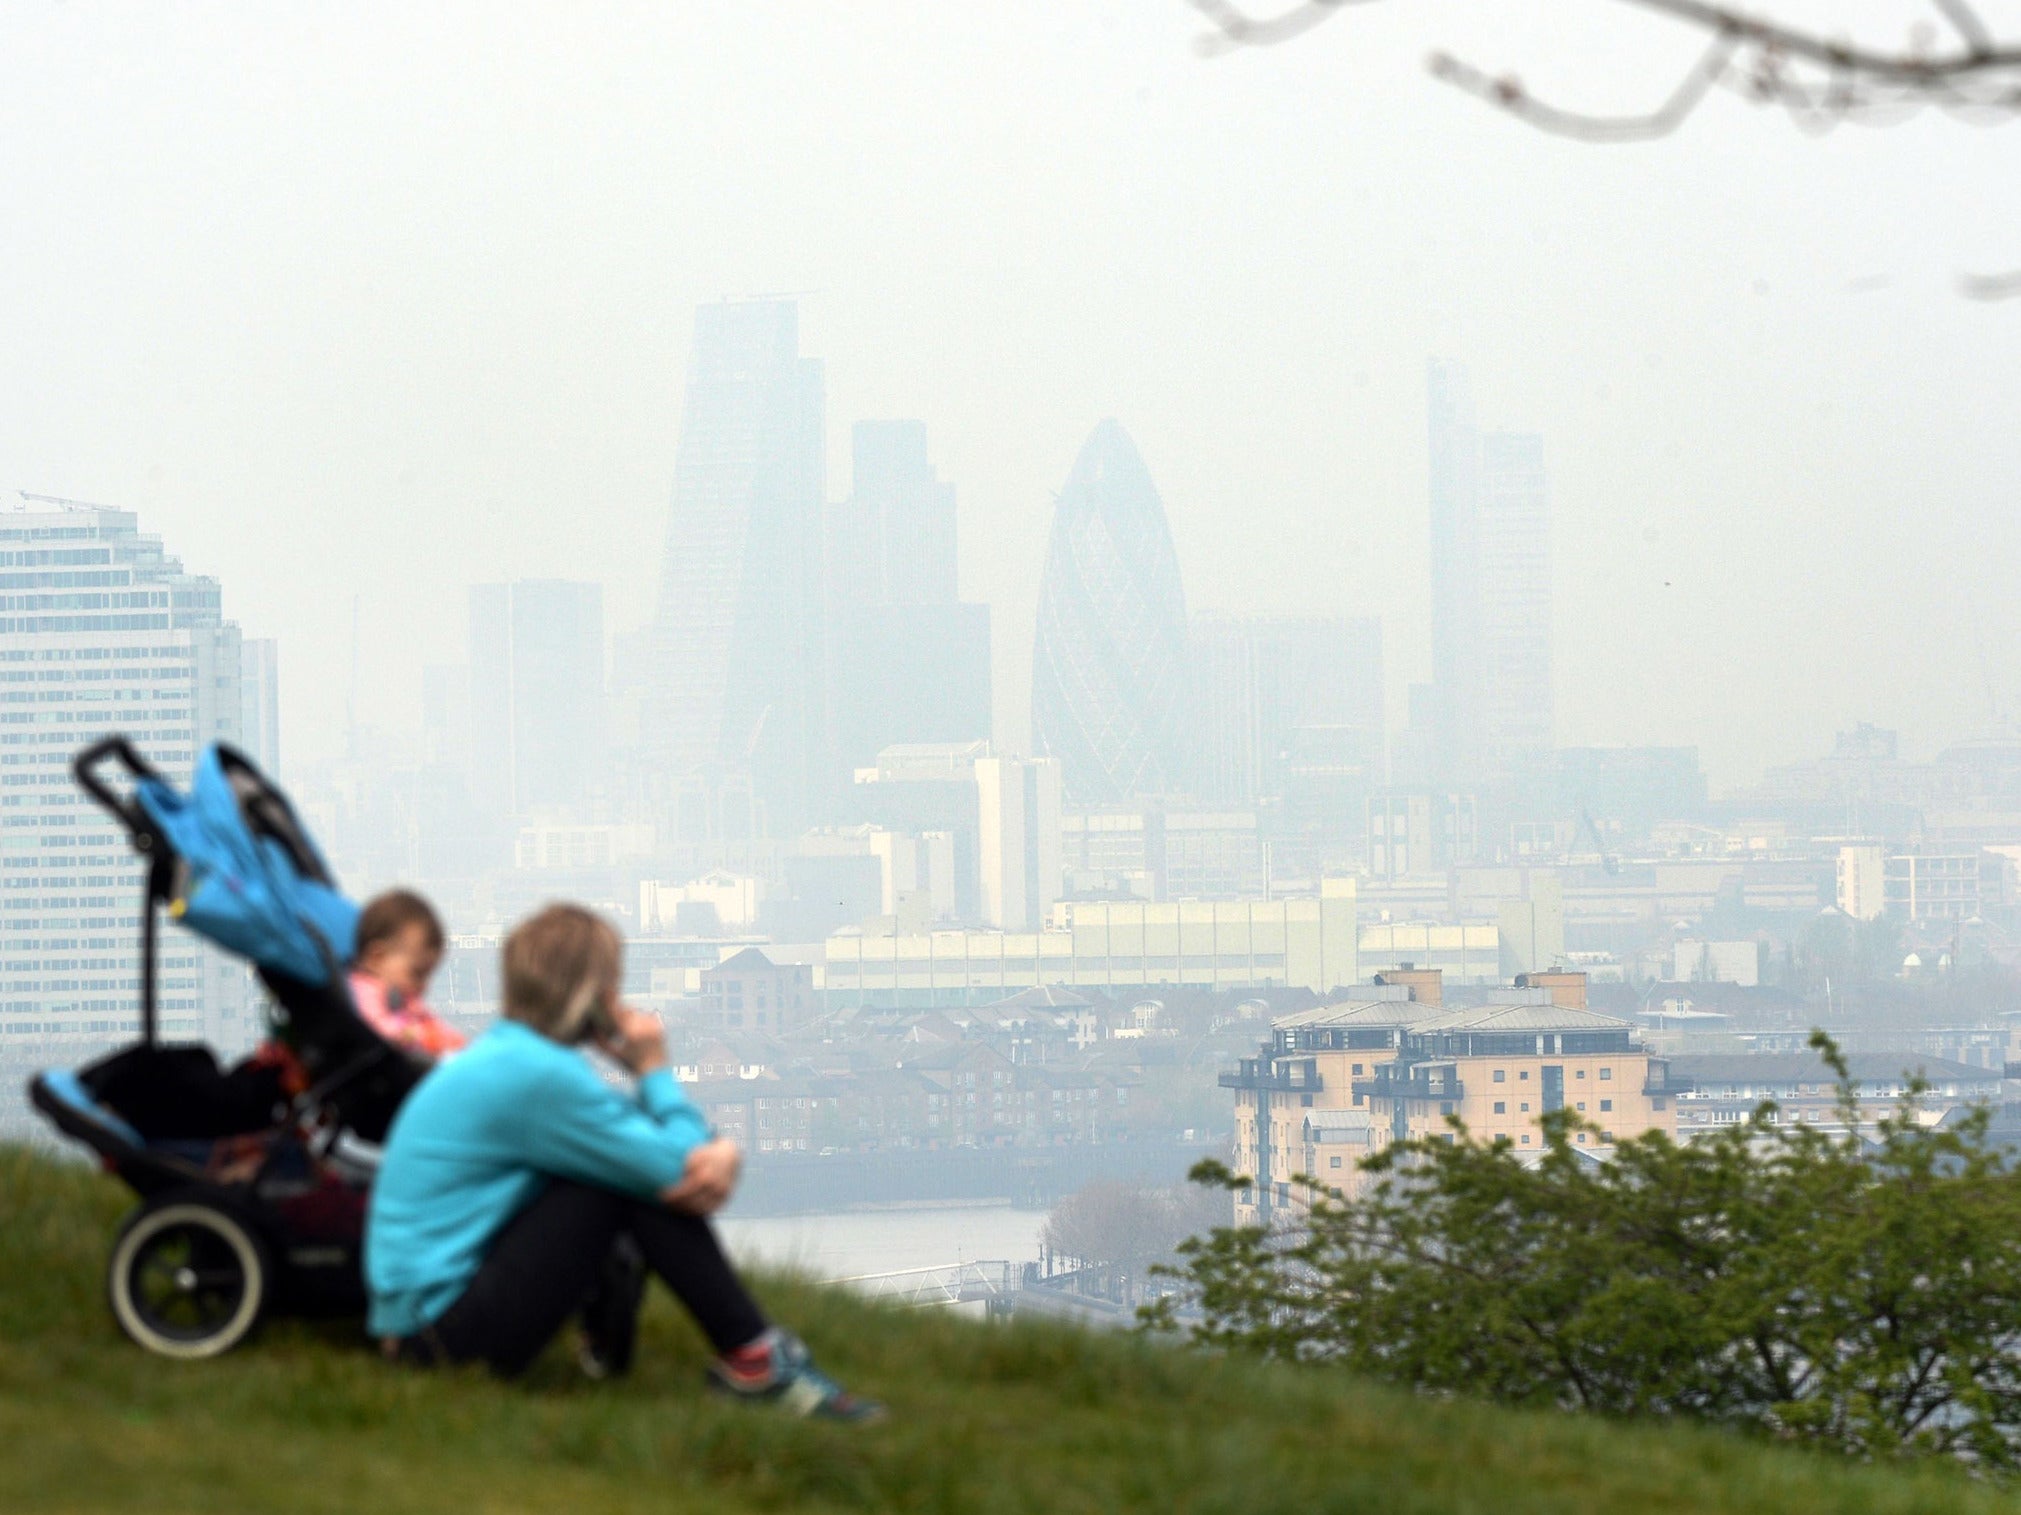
(252, 1180)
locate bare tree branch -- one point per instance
(1818, 80)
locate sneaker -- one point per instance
(790, 1380)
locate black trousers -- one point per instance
(549, 1258)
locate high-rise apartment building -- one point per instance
(536, 694)
(907, 661)
(1110, 693)
(735, 691)
(102, 631)
(1491, 588)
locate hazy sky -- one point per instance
(384, 300)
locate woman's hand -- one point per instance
(708, 1180)
(637, 1039)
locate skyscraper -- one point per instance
(737, 684)
(1109, 665)
(1491, 588)
(1272, 691)
(101, 631)
(536, 694)
(907, 661)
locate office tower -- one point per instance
(101, 631)
(1018, 807)
(907, 661)
(736, 694)
(1275, 692)
(892, 542)
(536, 694)
(1491, 588)
(260, 702)
(1109, 666)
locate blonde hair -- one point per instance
(560, 965)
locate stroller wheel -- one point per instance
(187, 1279)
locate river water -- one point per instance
(857, 1242)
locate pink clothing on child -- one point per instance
(404, 1022)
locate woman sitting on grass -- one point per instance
(513, 1171)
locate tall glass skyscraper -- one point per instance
(907, 661)
(1491, 588)
(101, 631)
(737, 687)
(1109, 666)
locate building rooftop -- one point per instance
(1805, 1069)
(1519, 1019)
(1371, 1012)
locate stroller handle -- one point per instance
(84, 768)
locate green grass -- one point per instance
(985, 1418)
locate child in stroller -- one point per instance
(252, 1181)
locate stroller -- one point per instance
(252, 1180)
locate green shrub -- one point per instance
(1856, 1291)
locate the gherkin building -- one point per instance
(1109, 681)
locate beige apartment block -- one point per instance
(1339, 1083)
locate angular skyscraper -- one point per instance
(737, 686)
(1109, 666)
(1491, 589)
(907, 661)
(101, 631)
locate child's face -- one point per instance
(406, 961)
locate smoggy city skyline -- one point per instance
(380, 322)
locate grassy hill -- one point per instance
(985, 1418)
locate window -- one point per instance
(1333, 1162)
(1605, 1074)
(1582, 1104)
(1580, 1074)
(1526, 1137)
(1501, 1107)
(1525, 1074)
(1360, 1099)
(1526, 1107)
(1582, 1138)
(1305, 1101)
(1606, 1104)
(1357, 1070)
(1501, 1075)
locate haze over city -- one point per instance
(351, 306)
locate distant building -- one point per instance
(536, 694)
(1110, 693)
(1466, 954)
(1491, 588)
(1266, 684)
(1164, 852)
(1420, 831)
(260, 703)
(103, 631)
(734, 701)
(1720, 1090)
(1500, 1066)
(750, 992)
(908, 662)
(1919, 884)
(1305, 942)
(1018, 844)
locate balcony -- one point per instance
(1294, 1076)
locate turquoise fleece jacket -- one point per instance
(477, 1140)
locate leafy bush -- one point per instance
(1857, 1291)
